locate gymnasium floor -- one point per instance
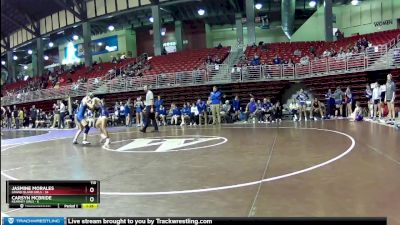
(324, 168)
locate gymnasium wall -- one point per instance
(367, 17)
(126, 42)
(226, 35)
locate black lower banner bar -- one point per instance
(220, 220)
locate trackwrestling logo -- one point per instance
(168, 144)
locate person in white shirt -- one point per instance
(376, 96)
(62, 114)
(194, 115)
(390, 96)
(294, 107)
(149, 110)
(305, 60)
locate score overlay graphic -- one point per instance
(53, 194)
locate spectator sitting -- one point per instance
(219, 46)
(164, 51)
(297, 52)
(277, 60)
(209, 60)
(185, 113)
(349, 53)
(251, 110)
(175, 114)
(162, 113)
(326, 53)
(255, 61)
(290, 62)
(305, 60)
(226, 112)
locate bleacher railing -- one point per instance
(375, 58)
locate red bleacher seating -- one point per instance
(285, 49)
(185, 60)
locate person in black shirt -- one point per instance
(15, 116)
(9, 117)
(33, 115)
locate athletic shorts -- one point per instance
(79, 118)
(338, 102)
(302, 104)
(383, 96)
(376, 101)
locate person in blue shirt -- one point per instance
(236, 108)
(251, 109)
(277, 60)
(82, 123)
(139, 114)
(215, 96)
(202, 108)
(266, 109)
(162, 113)
(349, 102)
(159, 102)
(176, 113)
(127, 111)
(185, 113)
(330, 102)
(255, 61)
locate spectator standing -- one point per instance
(9, 117)
(15, 117)
(215, 96)
(21, 117)
(368, 95)
(390, 96)
(376, 97)
(33, 114)
(348, 101)
(127, 111)
(338, 96)
(56, 113)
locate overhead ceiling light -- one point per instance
(201, 12)
(354, 2)
(51, 44)
(46, 57)
(162, 33)
(75, 37)
(15, 57)
(258, 6)
(30, 52)
(151, 19)
(3, 62)
(312, 3)
(100, 44)
(111, 28)
(25, 67)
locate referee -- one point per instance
(149, 111)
